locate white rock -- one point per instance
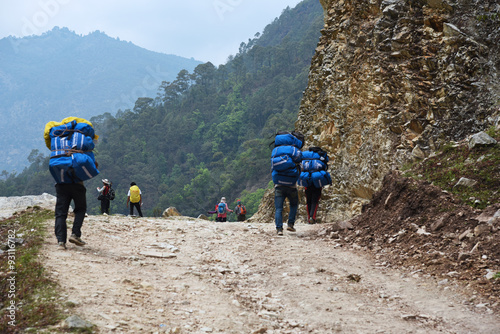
(490, 274)
(481, 139)
(465, 182)
(9, 205)
(451, 30)
(158, 254)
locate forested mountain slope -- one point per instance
(206, 134)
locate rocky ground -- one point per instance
(184, 275)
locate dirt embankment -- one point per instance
(417, 227)
(182, 275)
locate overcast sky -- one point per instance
(207, 30)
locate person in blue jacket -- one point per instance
(285, 158)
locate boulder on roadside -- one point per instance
(171, 212)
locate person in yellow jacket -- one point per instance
(134, 196)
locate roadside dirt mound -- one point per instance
(416, 226)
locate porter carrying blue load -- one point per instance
(71, 142)
(314, 177)
(286, 157)
(285, 160)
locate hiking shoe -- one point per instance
(76, 240)
(312, 221)
(280, 231)
(61, 245)
(290, 228)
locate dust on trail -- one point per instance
(184, 275)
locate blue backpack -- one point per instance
(221, 208)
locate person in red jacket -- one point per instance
(104, 196)
(222, 209)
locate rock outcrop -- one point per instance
(171, 212)
(392, 81)
(10, 205)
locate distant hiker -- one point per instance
(285, 173)
(314, 177)
(106, 194)
(134, 196)
(240, 211)
(222, 210)
(72, 161)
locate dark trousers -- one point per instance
(65, 193)
(137, 206)
(280, 194)
(242, 218)
(105, 205)
(313, 196)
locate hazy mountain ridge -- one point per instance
(60, 73)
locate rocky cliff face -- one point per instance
(392, 81)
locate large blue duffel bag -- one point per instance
(285, 180)
(313, 165)
(73, 168)
(321, 178)
(71, 157)
(315, 155)
(282, 163)
(287, 139)
(77, 141)
(317, 179)
(294, 153)
(305, 179)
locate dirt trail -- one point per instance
(182, 275)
